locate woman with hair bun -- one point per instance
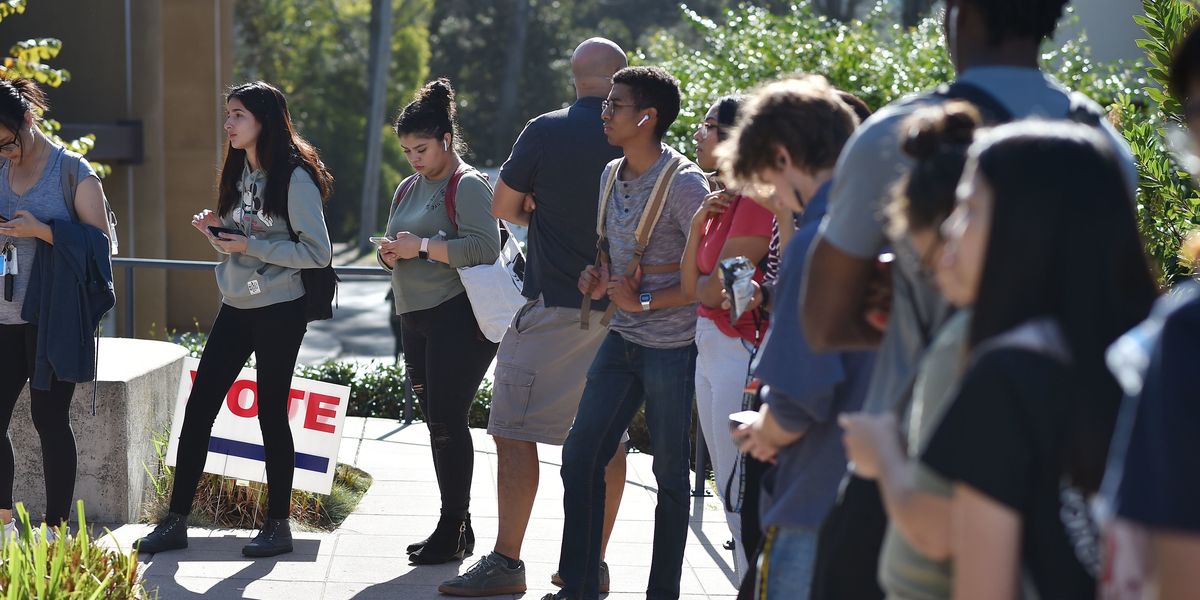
(445, 354)
(914, 560)
(32, 199)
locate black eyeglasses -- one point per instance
(611, 106)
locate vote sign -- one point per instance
(316, 413)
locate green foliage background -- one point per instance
(316, 51)
(1168, 201)
(26, 59)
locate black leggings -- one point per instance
(51, 410)
(446, 357)
(273, 333)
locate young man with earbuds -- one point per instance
(648, 356)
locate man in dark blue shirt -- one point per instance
(551, 183)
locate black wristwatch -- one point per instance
(423, 253)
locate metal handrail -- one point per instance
(129, 264)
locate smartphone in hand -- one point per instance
(379, 240)
(745, 417)
(217, 231)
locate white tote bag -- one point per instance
(495, 289)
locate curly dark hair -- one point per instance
(653, 88)
(1008, 19)
(936, 138)
(805, 115)
(432, 113)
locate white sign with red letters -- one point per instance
(316, 412)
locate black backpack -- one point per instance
(320, 287)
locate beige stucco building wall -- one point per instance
(166, 69)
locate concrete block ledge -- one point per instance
(135, 396)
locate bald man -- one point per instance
(550, 182)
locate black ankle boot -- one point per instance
(169, 534)
(470, 535)
(448, 542)
(274, 539)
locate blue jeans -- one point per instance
(785, 569)
(623, 376)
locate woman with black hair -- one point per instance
(728, 224)
(441, 220)
(272, 183)
(32, 198)
(1025, 439)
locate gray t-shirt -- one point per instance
(45, 201)
(668, 327)
(552, 159)
(421, 284)
(871, 163)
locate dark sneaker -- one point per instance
(169, 534)
(605, 580)
(491, 576)
(274, 539)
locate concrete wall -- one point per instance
(181, 59)
(138, 385)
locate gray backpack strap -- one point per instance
(1085, 111)
(68, 170)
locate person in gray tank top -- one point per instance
(31, 197)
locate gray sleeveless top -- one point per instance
(45, 201)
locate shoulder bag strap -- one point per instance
(452, 193)
(650, 217)
(585, 308)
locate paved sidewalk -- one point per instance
(365, 559)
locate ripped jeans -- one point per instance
(446, 357)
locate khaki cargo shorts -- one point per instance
(541, 369)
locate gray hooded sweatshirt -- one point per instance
(268, 272)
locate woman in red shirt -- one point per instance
(726, 225)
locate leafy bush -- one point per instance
(26, 60)
(31, 566)
(1168, 201)
(874, 58)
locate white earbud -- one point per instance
(643, 121)
(445, 146)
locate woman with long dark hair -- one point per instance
(1044, 237)
(32, 198)
(445, 354)
(272, 179)
(728, 224)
